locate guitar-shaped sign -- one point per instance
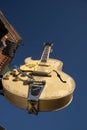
(39, 85)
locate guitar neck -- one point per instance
(46, 52)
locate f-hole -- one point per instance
(59, 76)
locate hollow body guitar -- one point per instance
(39, 85)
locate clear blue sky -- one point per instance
(65, 24)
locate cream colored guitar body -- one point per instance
(55, 94)
(57, 86)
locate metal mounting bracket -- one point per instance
(35, 90)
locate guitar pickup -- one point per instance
(40, 73)
(44, 64)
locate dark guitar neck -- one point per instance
(46, 52)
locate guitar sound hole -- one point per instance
(59, 76)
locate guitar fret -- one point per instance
(45, 54)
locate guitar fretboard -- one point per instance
(46, 52)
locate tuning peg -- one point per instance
(48, 44)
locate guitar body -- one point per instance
(57, 91)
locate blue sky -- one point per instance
(65, 24)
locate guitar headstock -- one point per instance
(48, 44)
